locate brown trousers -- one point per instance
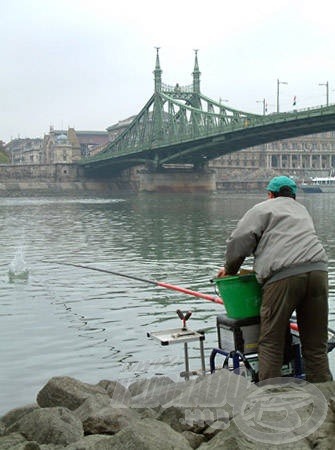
(307, 294)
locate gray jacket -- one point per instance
(280, 234)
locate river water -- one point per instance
(63, 320)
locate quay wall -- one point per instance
(57, 179)
(41, 172)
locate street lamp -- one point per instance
(264, 105)
(278, 83)
(327, 91)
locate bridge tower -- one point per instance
(200, 178)
(158, 73)
(157, 114)
(196, 82)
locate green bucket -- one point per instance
(241, 295)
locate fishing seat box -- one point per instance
(238, 334)
(243, 335)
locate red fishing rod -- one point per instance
(211, 298)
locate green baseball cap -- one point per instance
(278, 182)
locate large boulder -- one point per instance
(233, 439)
(15, 441)
(92, 405)
(99, 406)
(93, 442)
(57, 426)
(323, 437)
(116, 391)
(109, 420)
(155, 395)
(100, 416)
(67, 392)
(149, 434)
(149, 385)
(15, 414)
(214, 391)
(194, 439)
(327, 389)
(176, 417)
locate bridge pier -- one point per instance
(196, 180)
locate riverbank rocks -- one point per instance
(212, 412)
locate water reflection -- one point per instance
(90, 325)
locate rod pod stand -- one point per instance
(184, 318)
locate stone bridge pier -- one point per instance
(177, 180)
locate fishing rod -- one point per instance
(211, 298)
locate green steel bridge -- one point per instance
(180, 125)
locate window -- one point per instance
(274, 161)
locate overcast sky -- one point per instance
(89, 63)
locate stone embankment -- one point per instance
(55, 179)
(219, 411)
(71, 188)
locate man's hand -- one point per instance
(221, 273)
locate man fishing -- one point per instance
(291, 264)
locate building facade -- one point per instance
(58, 146)
(115, 130)
(303, 156)
(25, 151)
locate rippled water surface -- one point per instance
(64, 320)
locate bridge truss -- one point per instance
(179, 125)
